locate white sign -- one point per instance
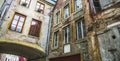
(67, 48)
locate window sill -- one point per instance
(82, 40)
(57, 24)
(39, 12)
(33, 37)
(55, 48)
(24, 6)
(15, 31)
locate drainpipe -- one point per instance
(48, 35)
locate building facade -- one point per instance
(85, 30)
(103, 29)
(68, 30)
(26, 21)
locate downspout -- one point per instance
(48, 35)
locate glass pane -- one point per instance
(66, 11)
(14, 22)
(20, 24)
(16, 17)
(37, 7)
(38, 4)
(19, 28)
(65, 35)
(55, 39)
(42, 7)
(27, 1)
(34, 22)
(22, 19)
(13, 27)
(79, 30)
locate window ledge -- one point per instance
(55, 48)
(67, 18)
(33, 37)
(57, 24)
(82, 40)
(39, 12)
(77, 11)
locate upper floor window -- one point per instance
(17, 22)
(80, 26)
(66, 34)
(25, 3)
(78, 4)
(64, 0)
(35, 28)
(66, 11)
(98, 5)
(57, 17)
(6, 59)
(56, 39)
(40, 7)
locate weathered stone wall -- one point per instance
(97, 22)
(109, 41)
(71, 21)
(30, 14)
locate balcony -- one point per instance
(28, 50)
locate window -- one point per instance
(6, 59)
(66, 11)
(40, 7)
(57, 17)
(25, 3)
(98, 5)
(78, 4)
(17, 22)
(80, 26)
(66, 34)
(56, 39)
(64, 0)
(35, 28)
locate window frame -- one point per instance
(80, 33)
(25, 2)
(58, 17)
(66, 37)
(56, 39)
(40, 7)
(20, 15)
(39, 24)
(67, 6)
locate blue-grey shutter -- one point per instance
(105, 3)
